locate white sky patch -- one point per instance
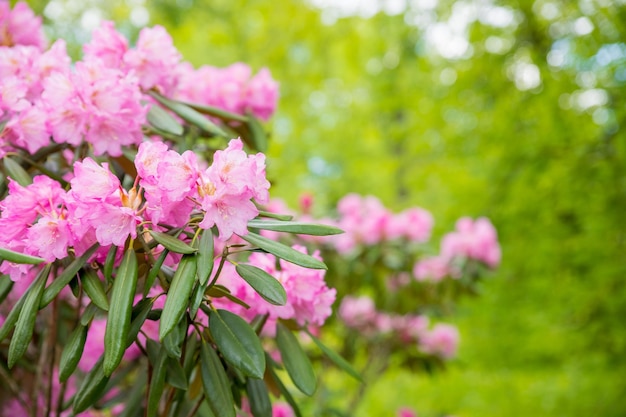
(586, 99)
(582, 26)
(524, 74)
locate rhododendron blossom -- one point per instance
(473, 239)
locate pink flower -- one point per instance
(282, 410)
(28, 129)
(261, 96)
(20, 26)
(357, 312)
(432, 269)
(474, 240)
(414, 224)
(442, 340)
(406, 412)
(363, 219)
(107, 45)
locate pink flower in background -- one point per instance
(442, 340)
(363, 220)
(20, 26)
(406, 412)
(473, 239)
(357, 312)
(107, 45)
(282, 410)
(432, 269)
(261, 95)
(414, 224)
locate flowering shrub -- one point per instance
(135, 278)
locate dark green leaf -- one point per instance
(217, 112)
(277, 216)
(26, 321)
(205, 256)
(263, 283)
(89, 313)
(154, 271)
(118, 321)
(94, 289)
(284, 252)
(157, 383)
(295, 360)
(257, 134)
(300, 228)
(19, 258)
(140, 313)
(15, 171)
(72, 352)
(91, 389)
(336, 358)
(172, 244)
(5, 286)
(285, 392)
(238, 342)
(176, 376)
(174, 339)
(221, 291)
(216, 383)
(260, 404)
(64, 279)
(189, 115)
(109, 263)
(178, 295)
(164, 121)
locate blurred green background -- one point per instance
(510, 109)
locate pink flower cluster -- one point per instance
(44, 220)
(472, 239)
(366, 221)
(360, 313)
(232, 88)
(20, 26)
(309, 300)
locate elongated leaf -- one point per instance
(89, 313)
(176, 376)
(189, 115)
(157, 383)
(216, 111)
(91, 389)
(5, 286)
(257, 134)
(14, 314)
(238, 342)
(259, 398)
(284, 252)
(178, 295)
(295, 360)
(221, 291)
(94, 289)
(300, 228)
(72, 352)
(154, 271)
(26, 321)
(118, 321)
(263, 283)
(172, 244)
(19, 258)
(140, 313)
(197, 296)
(215, 383)
(109, 263)
(205, 256)
(336, 358)
(285, 392)
(15, 171)
(164, 121)
(277, 216)
(174, 339)
(64, 279)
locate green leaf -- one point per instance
(15, 171)
(295, 360)
(157, 383)
(164, 121)
(285, 392)
(197, 296)
(283, 217)
(284, 252)
(178, 295)
(172, 244)
(89, 313)
(94, 289)
(176, 376)
(215, 383)
(26, 321)
(174, 339)
(259, 398)
(205, 256)
(109, 263)
(19, 258)
(300, 228)
(189, 115)
(217, 112)
(140, 313)
(257, 134)
(5, 286)
(263, 283)
(154, 271)
(11, 319)
(91, 389)
(72, 352)
(221, 291)
(238, 342)
(118, 321)
(336, 358)
(64, 279)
